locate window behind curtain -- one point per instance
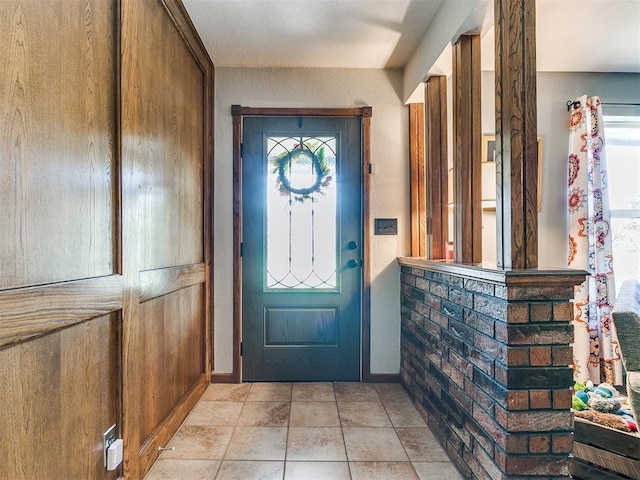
(622, 137)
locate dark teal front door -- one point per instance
(301, 248)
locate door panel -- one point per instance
(302, 232)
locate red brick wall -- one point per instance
(486, 360)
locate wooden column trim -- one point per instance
(437, 210)
(466, 143)
(516, 135)
(237, 239)
(367, 233)
(417, 180)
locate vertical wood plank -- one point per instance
(417, 180)
(131, 107)
(437, 211)
(516, 134)
(467, 138)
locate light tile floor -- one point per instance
(304, 431)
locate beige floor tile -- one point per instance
(314, 414)
(363, 414)
(265, 414)
(174, 469)
(227, 392)
(355, 392)
(199, 442)
(315, 444)
(317, 471)
(215, 413)
(257, 443)
(382, 471)
(421, 445)
(270, 392)
(392, 392)
(373, 444)
(436, 471)
(239, 470)
(313, 392)
(404, 414)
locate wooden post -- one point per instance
(437, 168)
(516, 137)
(466, 138)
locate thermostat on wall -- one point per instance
(386, 226)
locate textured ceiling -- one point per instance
(573, 35)
(311, 33)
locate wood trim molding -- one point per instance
(367, 235)
(162, 434)
(516, 134)
(417, 180)
(224, 378)
(467, 136)
(30, 312)
(162, 281)
(237, 112)
(383, 378)
(236, 373)
(300, 112)
(437, 170)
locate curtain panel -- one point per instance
(596, 352)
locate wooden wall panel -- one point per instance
(57, 131)
(59, 393)
(171, 157)
(172, 341)
(167, 88)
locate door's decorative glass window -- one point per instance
(301, 212)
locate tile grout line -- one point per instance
(344, 442)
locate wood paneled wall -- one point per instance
(105, 207)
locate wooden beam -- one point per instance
(31, 312)
(466, 143)
(417, 180)
(162, 281)
(437, 211)
(516, 135)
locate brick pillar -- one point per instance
(485, 357)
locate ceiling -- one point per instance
(573, 35)
(311, 33)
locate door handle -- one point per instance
(352, 245)
(353, 263)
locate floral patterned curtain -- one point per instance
(595, 350)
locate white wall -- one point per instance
(340, 88)
(554, 89)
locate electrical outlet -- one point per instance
(108, 438)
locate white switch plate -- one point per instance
(108, 438)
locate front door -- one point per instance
(301, 248)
